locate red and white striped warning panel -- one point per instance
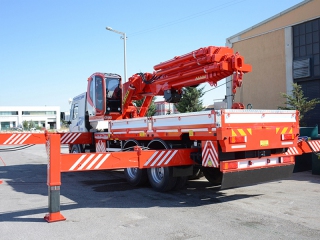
(98, 161)
(75, 138)
(160, 158)
(315, 145)
(21, 138)
(210, 156)
(89, 162)
(69, 137)
(292, 151)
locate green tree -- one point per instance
(191, 100)
(297, 101)
(152, 108)
(32, 124)
(28, 124)
(25, 124)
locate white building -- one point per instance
(13, 116)
(164, 108)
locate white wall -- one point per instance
(18, 119)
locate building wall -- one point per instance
(301, 12)
(11, 117)
(263, 85)
(270, 46)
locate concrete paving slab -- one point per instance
(101, 205)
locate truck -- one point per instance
(232, 147)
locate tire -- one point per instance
(135, 176)
(213, 175)
(161, 178)
(76, 149)
(181, 182)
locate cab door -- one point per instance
(77, 114)
(96, 95)
(114, 95)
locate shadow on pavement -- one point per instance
(103, 189)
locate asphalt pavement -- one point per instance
(102, 205)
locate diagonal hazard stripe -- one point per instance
(17, 138)
(233, 134)
(315, 146)
(157, 159)
(86, 162)
(164, 158)
(150, 159)
(172, 155)
(70, 137)
(24, 138)
(284, 130)
(77, 162)
(242, 133)
(161, 158)
(94, 161)
(102, 161)
(209, 154)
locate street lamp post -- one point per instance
(125, 50)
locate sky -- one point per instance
(49, 48)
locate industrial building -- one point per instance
(282, 50)
(12, 117)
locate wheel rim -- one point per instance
(157, 174)
(132, 172)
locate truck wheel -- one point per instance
(161, 178)
(136, 176)
(181, 182)
(213, 175)
(76, 149)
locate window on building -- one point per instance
(5, 125)
(38, 113)
(8, 112)
(306, 50)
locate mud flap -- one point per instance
(251, 177)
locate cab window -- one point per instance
(99, 93)
(113, 88)
(75, 111)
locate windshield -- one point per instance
(113, 88)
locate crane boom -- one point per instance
(209, 64)
(109, 100)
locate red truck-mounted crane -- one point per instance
(233, 147)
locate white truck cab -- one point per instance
(77, 114)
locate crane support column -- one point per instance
(53, 178)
